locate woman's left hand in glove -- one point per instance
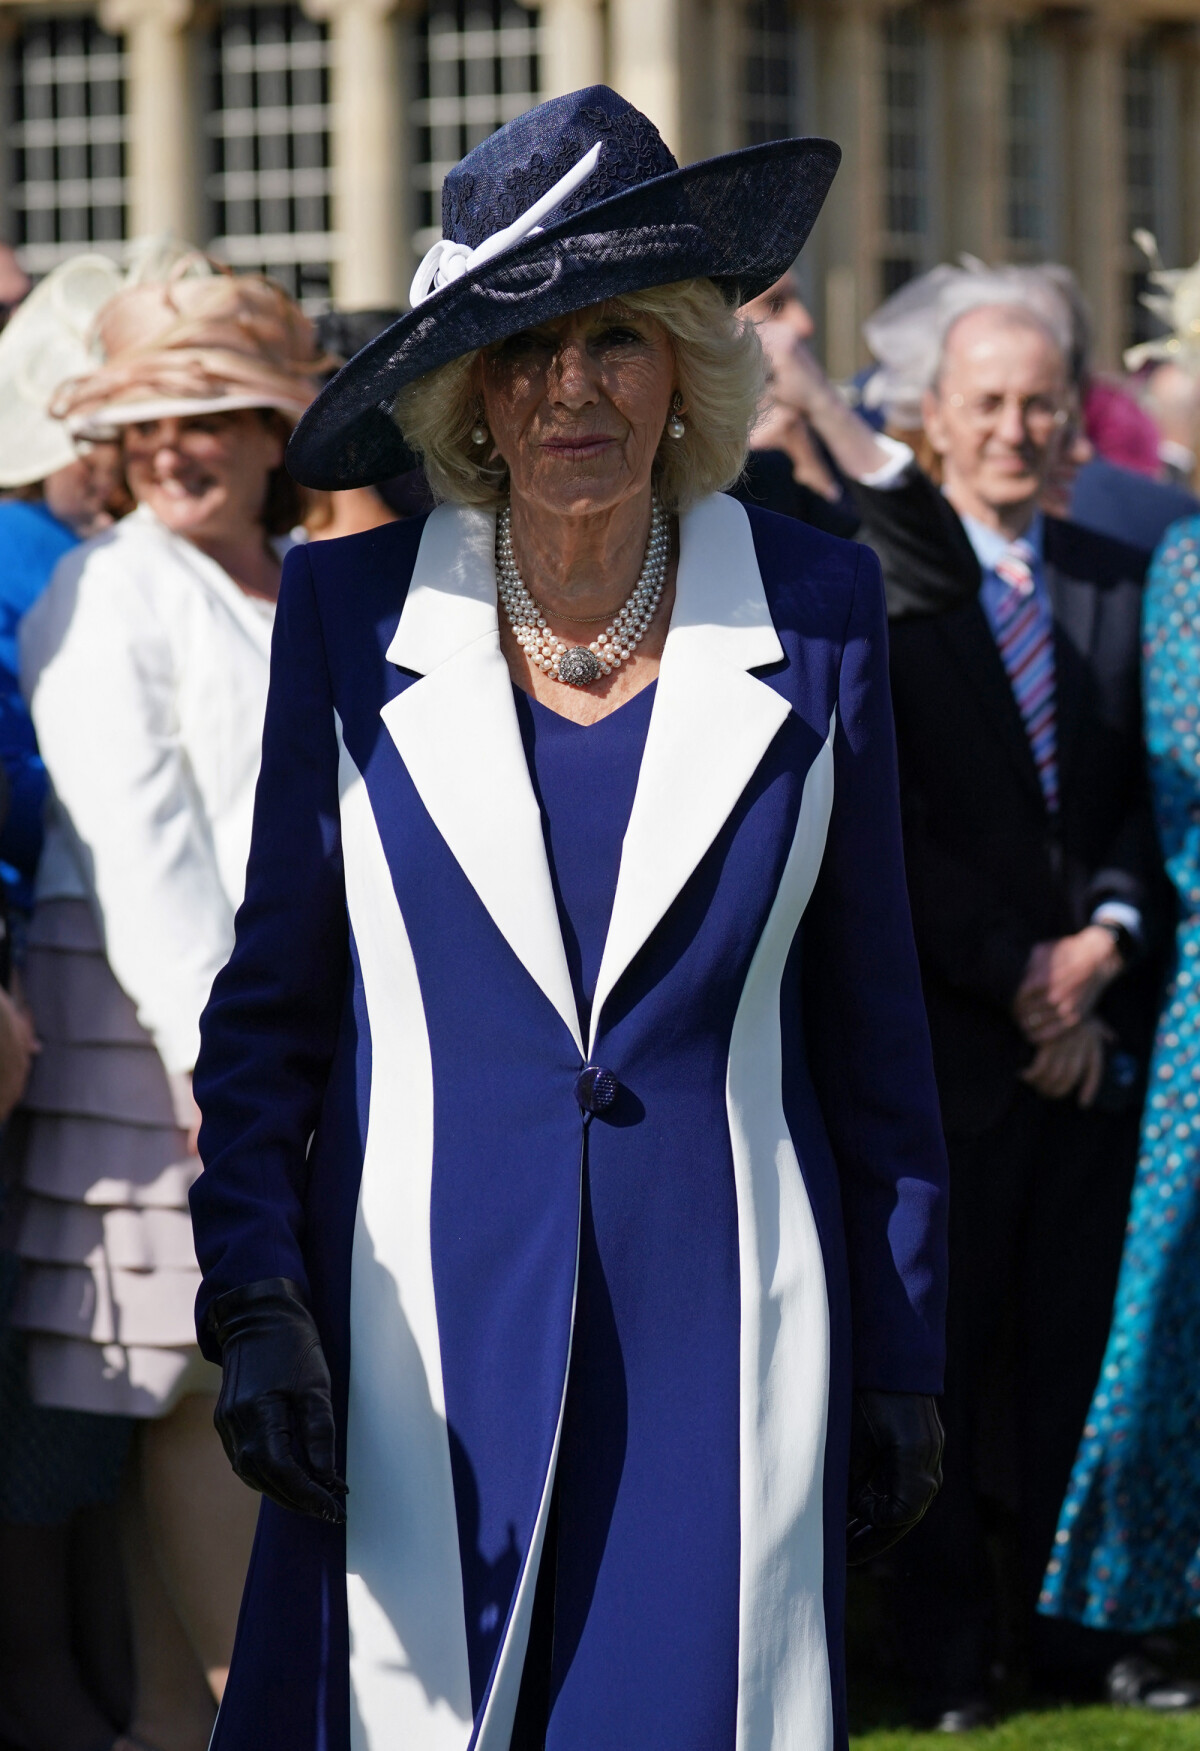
(895, 1469)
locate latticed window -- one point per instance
(268, 122)
(1151, 176)
(67, 138)
(905, 145)
(477, 68)
(770, 71)
(1027, 156)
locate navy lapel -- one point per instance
(969, 637)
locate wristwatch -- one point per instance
(1124, 940)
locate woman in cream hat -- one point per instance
(145, 665)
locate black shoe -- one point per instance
(1136, 1682)
(961, 1716)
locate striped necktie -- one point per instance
(1025, 639)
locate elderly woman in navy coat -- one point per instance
(573, 1181)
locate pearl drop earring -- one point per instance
(675, 426)
(479, 433)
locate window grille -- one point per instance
(67, 139)
(1027, 153)
(774, 99)
(268, 126)
(770, 71)
(905, 146)
(477, 67)
(1151, 175)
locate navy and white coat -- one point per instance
(387, 1080)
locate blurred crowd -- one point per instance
(1039, 533)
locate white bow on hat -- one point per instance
(447, 261)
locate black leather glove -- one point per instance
(895, 1469)
(275, 1411)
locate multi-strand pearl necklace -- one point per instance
(580, 665)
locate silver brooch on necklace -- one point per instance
(580, 665)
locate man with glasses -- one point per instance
(1033, 876)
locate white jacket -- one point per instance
(146, 669)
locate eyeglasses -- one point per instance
(1040, 415)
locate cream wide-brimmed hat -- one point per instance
(47, 342)
(197, 339)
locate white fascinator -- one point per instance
(47, 341)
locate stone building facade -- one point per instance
(310, 139)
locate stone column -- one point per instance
(572, 53)
(165, 164)
(369, 147)
(975, 158)
(726, 56)
(646, 61)
(1097, 208)
(847, 239)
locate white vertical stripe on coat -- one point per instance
(409, 1678)
(784, 1698)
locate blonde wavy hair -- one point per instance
(719, 365)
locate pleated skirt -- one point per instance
(108, 1268)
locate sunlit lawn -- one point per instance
(877, 1701)
(1085, 1729)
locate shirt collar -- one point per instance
(990, 544)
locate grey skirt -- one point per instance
(108, 1269)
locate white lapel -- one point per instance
(710, 727)
(457, 732)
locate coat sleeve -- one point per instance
(268, 1034)
(867, 1035)
(967, 930)
(99, 670)
(928, 562)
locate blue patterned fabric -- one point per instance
(1127, 1551)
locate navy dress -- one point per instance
(648, 1311)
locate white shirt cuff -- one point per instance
(893, 472)
(1119, 912)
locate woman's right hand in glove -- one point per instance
(275, 1409)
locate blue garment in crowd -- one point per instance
(1127, 506)
(1127, 1550)
(32, 542)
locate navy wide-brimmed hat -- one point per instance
(574, 202)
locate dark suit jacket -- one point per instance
(989, 872)
(1129, 507)
(768, 483)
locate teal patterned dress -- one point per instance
(1127, 1550)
